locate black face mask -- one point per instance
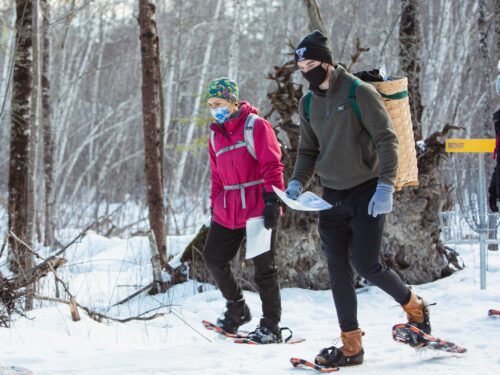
(316, 76)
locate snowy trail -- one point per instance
(51, 343)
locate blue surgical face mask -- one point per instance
(221, 114)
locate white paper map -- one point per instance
(258, 237)
(307, 201)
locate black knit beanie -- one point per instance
(314, 46)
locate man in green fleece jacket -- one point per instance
(357, 166)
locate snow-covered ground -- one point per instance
(102, 271)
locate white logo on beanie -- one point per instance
(300, 53)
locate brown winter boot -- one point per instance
(417, 313)
(350, 354)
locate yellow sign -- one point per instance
(470, 145)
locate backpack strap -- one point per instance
(230, 148)
(354, 102)
(355, 106)
(248, 134)
(307, 105)
(396, 96)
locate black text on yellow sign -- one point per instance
(470, 145)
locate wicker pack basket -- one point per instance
(396, 101)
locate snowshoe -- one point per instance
(417, 312)
(350, 354)
(266, 332)
(333, 357)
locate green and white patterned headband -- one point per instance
(224, 88)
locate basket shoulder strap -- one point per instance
(248, 134)
(355, 105)
(354, 102)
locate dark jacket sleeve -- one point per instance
(308, 149)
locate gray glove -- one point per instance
(381, 202)
(294, 189)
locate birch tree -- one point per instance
(6, 46)
(48, 144)
(409, 57)
(34, 122)
(485, 53)
(100, 48)
(33, 148)
(171, 104)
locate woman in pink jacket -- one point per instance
(244, 169)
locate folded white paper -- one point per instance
(258, 237)
(307, 201)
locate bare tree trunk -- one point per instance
(100, 48)
(171, 78)
(161, 118)
(33, 152)
(5, 78)
(20, 257)
(412, 244)
(171, 102)
(34, 123)
(409, 57)
(483, 26)
(161, 115)
(156, 264)
(497, 32)
(48, 144)
(315, 20)
(150, 109)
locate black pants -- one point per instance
(221, 247)
(350, 236)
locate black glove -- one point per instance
(272, 210)
(492, 198)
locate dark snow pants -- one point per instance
(221, 247)
(350, 236)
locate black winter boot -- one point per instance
(236, 315)
(267, 332)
